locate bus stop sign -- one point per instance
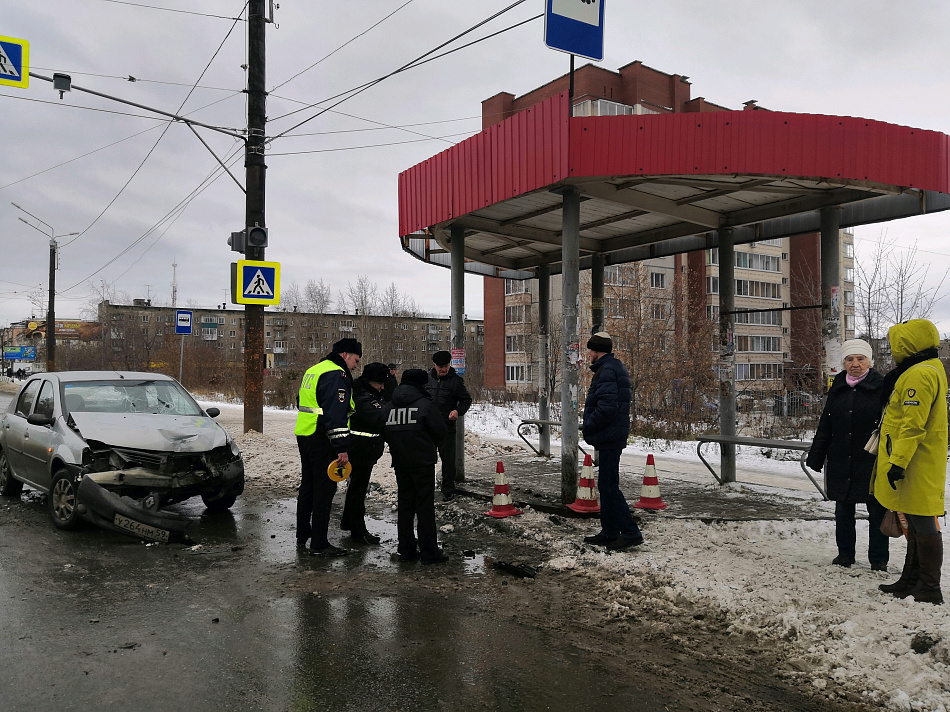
(575, 27)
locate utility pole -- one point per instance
(255, 171)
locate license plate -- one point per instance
(142, 530)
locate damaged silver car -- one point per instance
(114, 447)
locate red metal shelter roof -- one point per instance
(659, 184)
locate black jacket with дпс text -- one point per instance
(413, 427)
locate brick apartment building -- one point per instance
(775, 350)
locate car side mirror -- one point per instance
(213, 412)
(37, 419)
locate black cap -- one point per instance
(376, 372)
(441, 358)
(601, 343)
(348, 346)
(391, 366)
(415, 377)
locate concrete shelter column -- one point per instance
(831, 331)
(597, 293)
(570, 350)
(727, 351)
(544, 355)
(458, 333)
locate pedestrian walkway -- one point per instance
(536, 482)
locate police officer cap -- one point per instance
(415, 377)
(376, 372)
(391, 366)
(348, 346)
(441, 358)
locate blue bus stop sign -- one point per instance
(575, 27)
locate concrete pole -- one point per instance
(255, 173)
(544, 355)
(831, 331)
(597, 293)
(51, 310)
(458, 334)
(570, 350)
(727, 351)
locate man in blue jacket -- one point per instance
(606, 427)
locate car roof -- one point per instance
(74, 376)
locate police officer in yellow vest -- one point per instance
(325, 402)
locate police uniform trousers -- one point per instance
(315, 496)
(416, 502)
(615, 516)
(447, 455)
(354, 509)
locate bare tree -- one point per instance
(316, 297)
(291, 298)
(359, 298)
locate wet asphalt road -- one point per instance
(94, 620)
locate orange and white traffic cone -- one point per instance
(650, 491)
(501, 502)
(586, 500)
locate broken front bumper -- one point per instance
(128, 516)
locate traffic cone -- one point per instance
(650, 491)
(586, 500)
(501, 502)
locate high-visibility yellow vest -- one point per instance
(309, 409)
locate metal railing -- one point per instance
(538, 424)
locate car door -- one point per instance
(14, 426)
(37, 441)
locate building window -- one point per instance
(712, 312)
(209, 334)
(516, 286)
(232, 333)
(514, 344)
(849, 322)
(712, 256)
(762, 290)
(145, 318)
(517, 374)
(849, 274)
(657, 311)
(657, 280)
(758, 261)
(848, 298)
(514, 314)
(847, 249)
(763, 318)
(758, 371)
(759, 344)
(712, 285)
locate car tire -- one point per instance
(62, 501)
(9, 485)
(221, 503)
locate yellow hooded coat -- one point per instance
(914, 429)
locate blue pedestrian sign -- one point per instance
(255, 282)
(575, 27)
(14, 62)
(183, 322)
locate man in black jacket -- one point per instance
(413, 427)
(366, 447)
(452, 400)
(391, 382)
(606, 427)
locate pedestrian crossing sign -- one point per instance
(14, 62)
(255, 282)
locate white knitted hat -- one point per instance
(856, 347)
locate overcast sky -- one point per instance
(94, 166)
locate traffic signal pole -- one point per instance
(255, 171)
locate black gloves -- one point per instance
(894, 474)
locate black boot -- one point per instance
(930, 553)
(902, 587)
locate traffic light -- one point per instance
(257, 237)
(236, 241)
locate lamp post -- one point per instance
(53, 265)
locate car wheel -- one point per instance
(9, 485)
(61, 501)
(221, 503)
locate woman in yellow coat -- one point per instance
(911, 471)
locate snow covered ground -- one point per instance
(768, 579)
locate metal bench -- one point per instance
(757, 442)
(538, 424)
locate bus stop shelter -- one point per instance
(542, 193)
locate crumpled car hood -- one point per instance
(145, 431)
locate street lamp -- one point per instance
(53, 266)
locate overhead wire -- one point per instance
(408, 65)
(372, 145)
(170, 9)
(164, 131)
(349, 41)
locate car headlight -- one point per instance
(235, 450)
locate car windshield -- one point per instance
(127, 396)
